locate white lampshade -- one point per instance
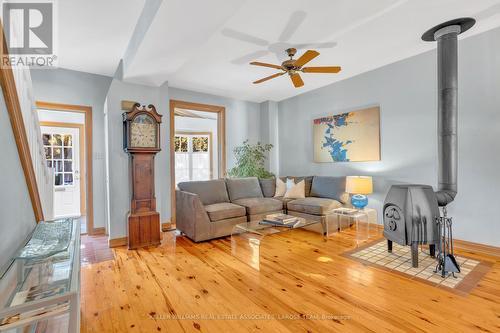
(358, 185)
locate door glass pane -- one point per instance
(68, 166)
(57, 152)
(48, 152)
(57, 140)
(68, 153)
(58, 179)
(58, 166)
(68, 179)
(46, 139)
(68, 140)
(59, 155)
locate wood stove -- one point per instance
(411, 212)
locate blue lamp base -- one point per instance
(359, 201)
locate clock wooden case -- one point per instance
(141, 140)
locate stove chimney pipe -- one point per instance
(446, 36)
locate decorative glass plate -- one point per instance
(48, 239)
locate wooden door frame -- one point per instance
(81, 129)
(221, 140)
(87, 111)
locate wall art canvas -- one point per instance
(348, 137)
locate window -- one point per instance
(193, 160)
(59, 154)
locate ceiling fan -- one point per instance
(293, 67)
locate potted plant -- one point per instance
(250, 160)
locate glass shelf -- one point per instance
(44, 290)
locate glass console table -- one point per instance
(246, 238)
(41, 288)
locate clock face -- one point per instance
(143, 132)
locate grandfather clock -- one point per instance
(141, 140)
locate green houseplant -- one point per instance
(250, 160)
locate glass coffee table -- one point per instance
(246, 238)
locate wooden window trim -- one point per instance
(87, 111)
(221, 140)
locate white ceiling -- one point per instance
(205, 45)
(93, 34)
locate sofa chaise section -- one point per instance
(204, 211)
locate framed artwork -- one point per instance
(348, 137)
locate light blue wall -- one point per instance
(242, 122)
(242, 118)
(72, 87)
(119, 162)
(407, 96)
(17, 219)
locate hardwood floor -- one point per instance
(304, 285)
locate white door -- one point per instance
(62, 151)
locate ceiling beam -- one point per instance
(143, 23)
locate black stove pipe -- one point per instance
(446, 36)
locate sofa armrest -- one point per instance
(191, 217)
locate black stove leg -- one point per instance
(432, 250)
(389, 246)
(414, 254)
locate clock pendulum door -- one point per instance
(143, 220)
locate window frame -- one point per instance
(190, 135)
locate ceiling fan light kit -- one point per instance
(293, 67)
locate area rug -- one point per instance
(399, 261)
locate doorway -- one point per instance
(197, 143)
(73, 173)
(63, 147)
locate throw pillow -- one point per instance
(280, 188)
(296, 191)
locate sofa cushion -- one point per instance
(313, 206)
(308, 182)
(328, 187)
(259, 205)
(295, 190)
(268, 186)
(224, 210)
(209, 191)
(239, 188)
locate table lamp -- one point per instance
(359, 187)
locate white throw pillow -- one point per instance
(296, 191)
(280, 188)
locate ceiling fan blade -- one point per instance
(244, 37)
(256, 63)
(297, 80)
(306, 57)
(331, 69)
(269, 77)
(293, 24)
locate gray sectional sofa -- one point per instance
(210, 209)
